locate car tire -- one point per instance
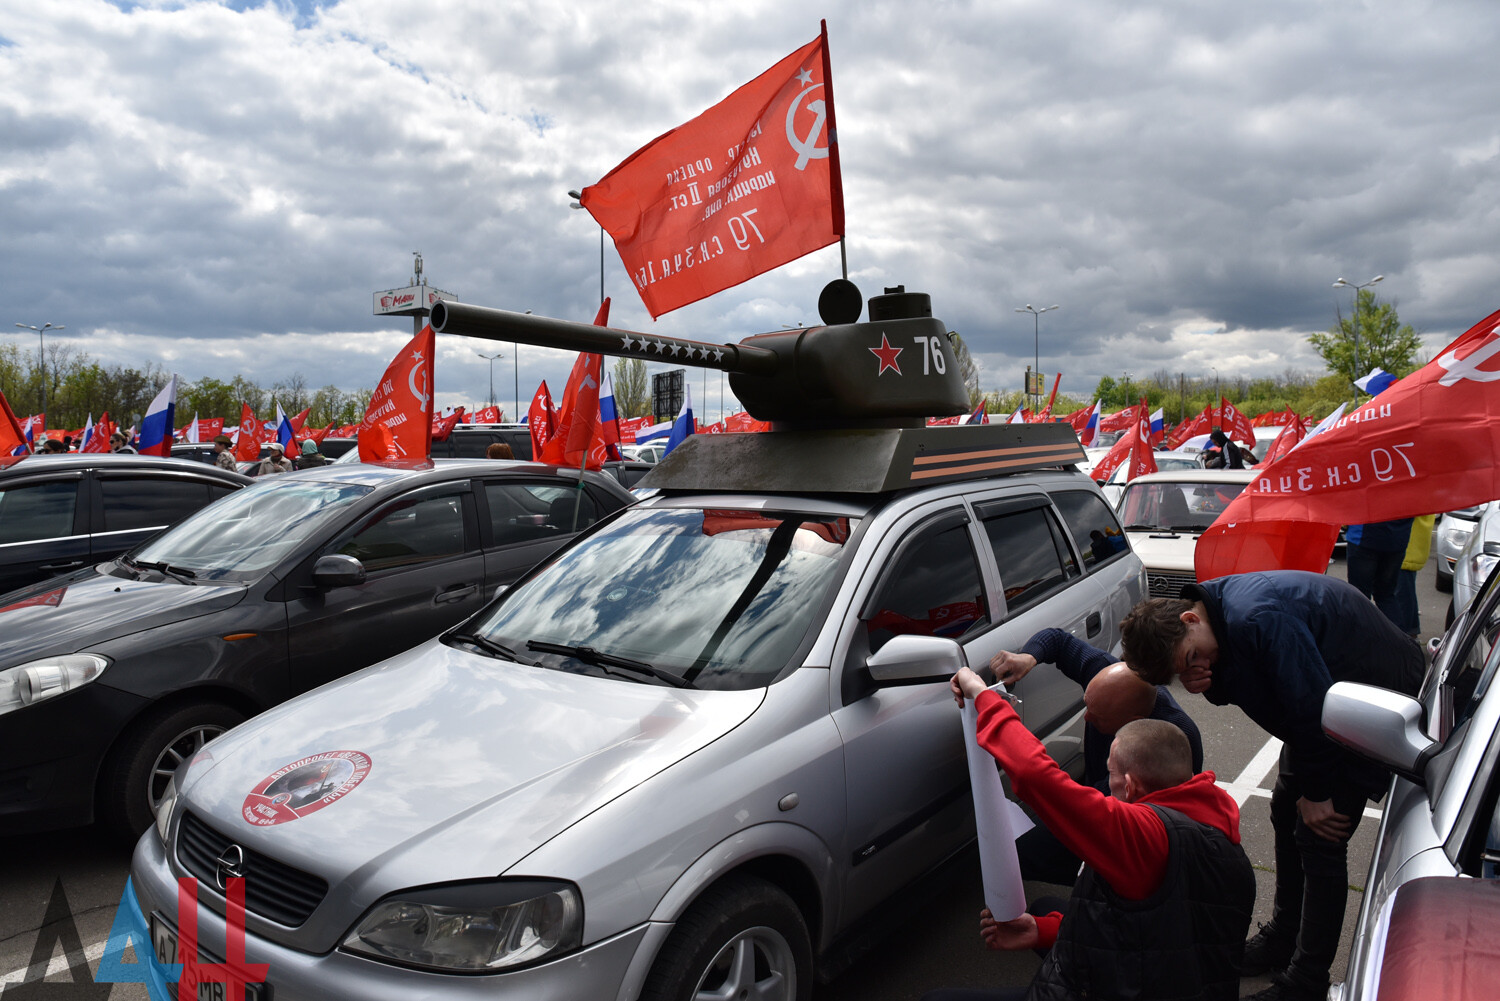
(133, 779)
(1444, 581)
(742, 938)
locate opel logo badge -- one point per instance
(230, 865)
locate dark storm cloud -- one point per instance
(193, 181)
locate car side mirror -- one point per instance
(915, 660)
(500, 590)
(338, 570)
(1381, 725)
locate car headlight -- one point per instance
(1456, 537)
(42, 679)
(475, 927)
(1480, 565)
(164, 808)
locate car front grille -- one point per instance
(273, 890)
(1166, 584)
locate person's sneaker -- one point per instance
(1266, 952)
(1283, 989)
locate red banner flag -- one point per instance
(543, 425)
(1287, 440)
(488, 415)
(1235, 425)
(99, 440)
(1428, 443)
(402, 407)
(247, 447)
(1202, 424)
(1045, 416)
(1120, 420)
(630, 425)
(578, 441)
(1133, 447)
(442, 427)
(747, 186)
(12, 438)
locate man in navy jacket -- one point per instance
(1273, 643)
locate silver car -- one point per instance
(1441, 817)
(692, 755)
(1449, 537)
(1477, 556)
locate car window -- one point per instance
(722, 598)
(1093, 525)
(933, 588)
(1033, 558)
(1466, 673)
(38, 511)
(423, 526)
(1184, 506)
(148, 502)
(525, 512)
(472, 446)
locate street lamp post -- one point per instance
(1354, 320)
(491, 360)
(1036, 341)
(41, 354)
(577, 203)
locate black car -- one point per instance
(112, 675)
(60, 512)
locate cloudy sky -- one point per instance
(219, 187)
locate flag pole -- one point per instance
(835, 174)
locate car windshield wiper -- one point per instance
(1140, 528)
(489, 646)
(604, 661)
(181, 573)
(1188, 528)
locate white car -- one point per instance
(1166, 462)
(650, 452)
(1165, 513)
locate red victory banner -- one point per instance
(12, 438)
(1428, 443)
(747, 186)
(397, 429)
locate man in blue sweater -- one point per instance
(1273, 643)
(1113, 696)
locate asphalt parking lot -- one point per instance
(933, 946)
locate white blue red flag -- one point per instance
(979, 416)
(88, 433)
(285, 433)
(1017, 416)
(1377, 380)
(157, 426)
(682, 427)
(1090, 433)
(1158, 426)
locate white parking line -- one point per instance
(58, 964)
(1247, 783)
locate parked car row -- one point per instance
(113, 674)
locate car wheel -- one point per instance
(1444, 581)
(135, 778)
(743, 938)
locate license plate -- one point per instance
(164, 943)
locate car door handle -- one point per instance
(456, 593)
(1093, 624)
(60, 566)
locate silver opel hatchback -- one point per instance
(689, 756)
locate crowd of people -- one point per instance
(1163, 893)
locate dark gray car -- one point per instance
(112, 675)
(61, 512)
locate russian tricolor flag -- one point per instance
(157, 426)
(1377, 381)
(284, 432)
(682, 427)
(1091, 429)
(1158, 425)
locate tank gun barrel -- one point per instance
(544, 331)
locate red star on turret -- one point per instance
(887, 355)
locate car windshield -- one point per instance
(250, 530)
(1166, 506)
(717, 599)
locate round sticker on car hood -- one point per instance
(305, 786)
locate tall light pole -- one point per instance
(1354, 320)
(41, 354)
(491, 360)
(577, 203)
(1036, 341)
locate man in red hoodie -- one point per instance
(1164, 901)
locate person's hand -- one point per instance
(1321, 818)
(1017, 933)
(1197, 679)
(1011, 667)
(966, 684)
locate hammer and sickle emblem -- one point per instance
(411, 380)
(808, 148)
(1468, 368)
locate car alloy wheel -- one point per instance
(742, 940)
(134, 779)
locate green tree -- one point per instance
(632, 393)
(209, 397)
(1376, 333)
